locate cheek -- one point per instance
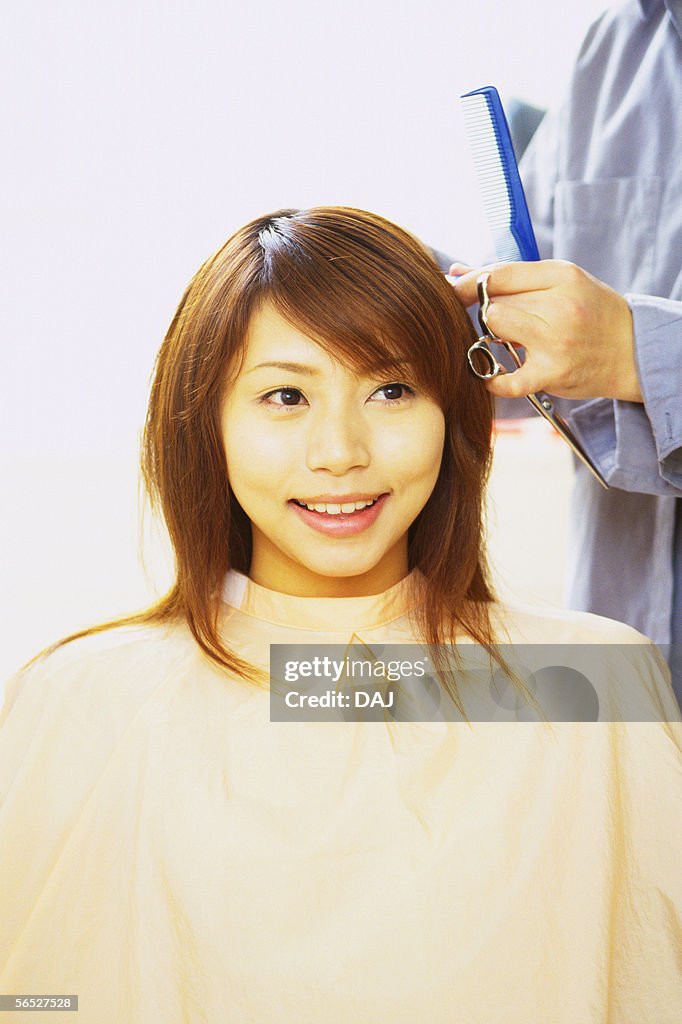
(434, 442)
(260, 446)
(254, 459)
(421, 450)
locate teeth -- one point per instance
(334, 510)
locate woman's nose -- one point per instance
(338, 441)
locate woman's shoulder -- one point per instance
(608, 660)
(122, 661)
(515, 622)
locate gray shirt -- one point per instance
(603, 177)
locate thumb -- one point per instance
(513, 385)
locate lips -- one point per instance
(340, 518)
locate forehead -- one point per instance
(272, 338)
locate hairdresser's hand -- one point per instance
(577, 331)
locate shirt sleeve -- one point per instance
(638, 447)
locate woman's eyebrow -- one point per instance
(289, 367)
(400, 365)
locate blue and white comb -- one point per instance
(504, 201)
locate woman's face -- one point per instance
(299, 429)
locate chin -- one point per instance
(343, 568)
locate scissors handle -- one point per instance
(481, 351)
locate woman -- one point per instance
(319, 454)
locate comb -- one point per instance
(504, 201)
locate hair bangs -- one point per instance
(355, 292)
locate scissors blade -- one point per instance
(544, 405)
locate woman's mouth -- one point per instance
(342, 518)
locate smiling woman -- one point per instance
(174, 850)
(342, 302)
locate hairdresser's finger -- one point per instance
(465, 284)
(459, 269)
(515, 278)
(548, 364)
(518, 384)
(538, 275)
(516, 323)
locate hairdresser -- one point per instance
(600, 316)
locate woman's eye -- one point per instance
(393, 392)
(284, 396)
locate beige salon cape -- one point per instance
(168, 854)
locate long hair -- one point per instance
(369, 293)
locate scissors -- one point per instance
(485, 366)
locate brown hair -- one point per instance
(369, 292)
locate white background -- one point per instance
(136, 137)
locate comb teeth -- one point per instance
(493, 177)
